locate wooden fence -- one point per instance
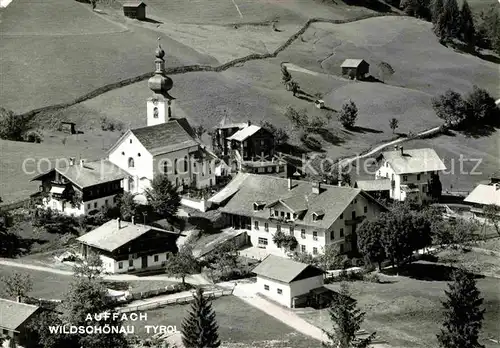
(172, 301)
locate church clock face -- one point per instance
(155, 102)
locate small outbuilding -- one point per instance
(286, 281)
(355, 68)
(135, 10)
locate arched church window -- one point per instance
(175, 166)
(155, 112)
(165, 167)
(186, 164)
(176, 182)
(131, 163)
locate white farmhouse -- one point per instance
(286, 281)
(484, 195)
(410, 172)
(125, 246)
(315, 214)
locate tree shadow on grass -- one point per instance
(426, 271)
(362, 130)
(478, 130)
(115, 285)
(291, 149)
(328, 136)
(11, 245)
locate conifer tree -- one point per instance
(199, 328)
(453, 18)
(346, 319)
(436, 10)
(286, 77)
(467, 29)
(463, 315)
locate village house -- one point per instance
(378, 188)
(287, 282)
(247, 147)
(485, 194)
(126, 246)
(315, 214)
(355, 68)
(79, 188)
(167, 145)
(14, 317)
(410, 172)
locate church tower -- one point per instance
(159, 106)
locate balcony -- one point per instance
(355, 221)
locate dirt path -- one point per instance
(196, 279)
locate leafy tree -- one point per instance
(224, 258)
(346, 319)
(39, 329)
(294, 87)
(181, 264)
(331, 258)
(199, 131)
(90, 268)
(317, 123)
(17, 284)
(467, 29)
(456, 233)
(279, 134)
(492, 213)
(286, 241)
(199, 328)
(482, 105)
(12, 126)
(163, 196)
(127, 206)
(299, 119)
(348, 114)
(437, 8)
(451, 107)
(370, 245)
(286, 77)
(393, 124)
(463, 314)
(306, 258)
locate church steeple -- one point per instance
(159, 106)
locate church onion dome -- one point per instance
(160, 83)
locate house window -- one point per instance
(106, 202)
(341, 232)
(405, 177)
(315, 251)
(186, 162)
(278, 228)
(353, 215)
(288, 216)
(341, 216)
(282, 214)
(114, 199)
(95, 205)
(256, 225)
(386, 164)
(155, 258)
(131, 162)
(120, 265)
(315, 235)
(291, 230)
(209, 169)
(303, 248)
(266, 227)
(88, 206)
(332, 235)
(424, 188)
(365, 209)
(355, 201)
(165, 167)
(418, 176)
(279, 291)
(155, 113)
(262, 142)
(130, 141)
(131, 263)
(123, 153)
(303, 233)
(211, 182)
(262, 241)
(266, 287)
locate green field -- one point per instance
(407, 311)
(239, 325)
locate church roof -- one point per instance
(166, 137)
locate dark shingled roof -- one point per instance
(282, 269)
(332, 200)
(166, 137)
(13, 314)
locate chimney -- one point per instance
(316, 187)
(82, 162)
(290, 183)
(133, 220)
(71, 161)
(496, 187)
(18, 299)
(119, 223)
(249, 123)
(402, 153)
(339, 183)
(396, 148)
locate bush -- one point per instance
(111, 125)
(12, 127)
(348, 114)
(33, 137)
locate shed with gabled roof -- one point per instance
(135, 10)
(355, 68)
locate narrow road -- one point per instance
(195, 279)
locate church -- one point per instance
(166, 145)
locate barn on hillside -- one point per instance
(136, 10)
(355, 68)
